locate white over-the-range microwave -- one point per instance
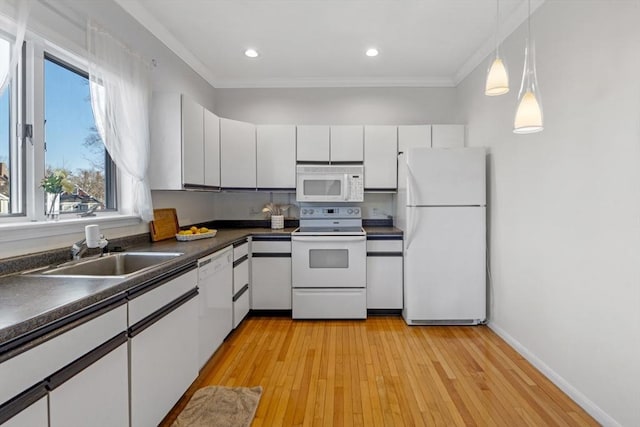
(330, 183)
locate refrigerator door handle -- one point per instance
(411, 185)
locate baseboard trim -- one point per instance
(589, 406)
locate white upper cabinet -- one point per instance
(312, 143)
(184, 144)
(413, 136)
(447, 136)
(211, 149)
(276, 156)
(347, 144)
(380, 157)
(192, 142)
(237, 154)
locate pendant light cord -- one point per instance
(529, 23)
(497, 28)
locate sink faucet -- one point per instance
(80, 247)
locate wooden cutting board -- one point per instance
(164, 225)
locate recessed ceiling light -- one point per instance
(251, 53)
(372, 52)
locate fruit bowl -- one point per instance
(190, 237)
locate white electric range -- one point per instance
(329, 264)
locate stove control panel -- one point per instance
(324, 212)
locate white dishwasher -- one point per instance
(215, 314)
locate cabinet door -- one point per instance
(165, 164)
(347, 144)
(380, 157)
(413, 136)
(35, 415)
(312, 143)
(271, 282)
(211, 149)
(276, 154)
(447, 136)
(97, 396)
(384, 281)
(32, 366)
(237, 154)
(192, 142)
(164, 363)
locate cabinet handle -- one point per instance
(384, 254)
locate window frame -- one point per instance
(30, 106)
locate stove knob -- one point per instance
(350, 211)
(310, 211)
(356, 211)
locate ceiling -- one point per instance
(321, 43)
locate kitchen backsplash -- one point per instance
(230, 205)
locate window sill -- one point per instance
(11, 232)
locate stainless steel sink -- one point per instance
(112, 265)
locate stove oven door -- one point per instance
(329, 261)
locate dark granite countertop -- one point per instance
(32, 302)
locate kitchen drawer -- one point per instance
(240, 276)
(330, 303)
(36, 364)
(384, 246)
(241, 305)
(145, 304)
(240, 250)
(271, 246)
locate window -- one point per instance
(47, 127)
(73, 146)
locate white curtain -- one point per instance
(120, 95)
(12, 52)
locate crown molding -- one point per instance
(142, 15)
(509, 25)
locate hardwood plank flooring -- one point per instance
(381, 372)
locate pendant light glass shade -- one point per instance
(497, 78)
(497, 74)
(529, 118)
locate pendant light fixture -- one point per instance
(529, 112)
(497, 75)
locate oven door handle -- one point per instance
(317, 239)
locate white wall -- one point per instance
(336, 106)
(565, 203)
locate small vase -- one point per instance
(52, 208)
(277, 221)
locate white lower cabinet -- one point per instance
(34, 415)
(77, 378)
(163, 361)
(97, 396)
(241, 288)
(384, 272)
(271, 272)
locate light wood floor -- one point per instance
(380, 372)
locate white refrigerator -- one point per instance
(441, 205)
